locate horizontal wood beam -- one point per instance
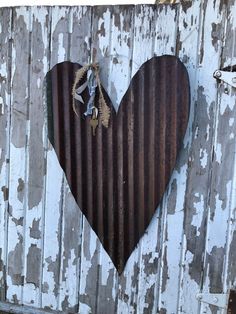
(6, 308)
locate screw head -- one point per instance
(217, 74)
(199, 296)
(215, 299)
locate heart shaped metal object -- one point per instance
(118, 177)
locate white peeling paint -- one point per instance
(66, 289)
(115, 44)
(24, 13)
(58, 13)
(61, 50)
(87, 40)
(103, 40)
(196, 133)
(51, 233)
(190, 288)
(208, 133)
(218, 153)
(166, 26)
(3, 70)
(181, 179)
(29, 294)
(87, 263)
(84, 308)
(106, 266)
(231, 121)
(196, 221)
(13, 291)
(219, 240)
(203, 157)
(45, 65)
(38, 82)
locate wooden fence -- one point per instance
(50, 258)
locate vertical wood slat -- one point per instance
(114, 53)
(127, 284)
(89, 244)
(196, 198)
(54, 187)
(132, 275)
(229, 59)
(17, 155)
(5, 75)
(104, 19)
(211, 16)
(72, 217)
(187, 46)
(157, 43)
(220, 226)
(35, 171)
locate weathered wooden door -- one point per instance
(49, 256)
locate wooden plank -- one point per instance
(72, 219)
(52, 233)
(112, 48)
(220, 224)
(59, 40)
(229, 59)
(173, 286)
(114, 52)
(140, 278)
(7, 308)
(199, 170)
(60, 35)
(111, 34)
(35, 154)
(70, 253)
(148, 284)
(131, 278)
(5, 78)
(19, 129)
(167, 240)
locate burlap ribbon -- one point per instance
(94, 82)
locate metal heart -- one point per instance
(119, 176)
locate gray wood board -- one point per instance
(50, 258)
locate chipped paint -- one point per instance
(49, 256)
(38, 82)
(203, 158)
(5, 192)
(35, 231)
(33, 265)
(61, 49)
(20, 190)
(15, 265)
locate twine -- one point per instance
(103, 109)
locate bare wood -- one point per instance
(5, 78)
(74, 273)
(7, 308)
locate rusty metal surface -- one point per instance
(118, 176)
(232, 302)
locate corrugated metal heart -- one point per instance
(119, 176)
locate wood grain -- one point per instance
(181, 252)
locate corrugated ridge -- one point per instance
(118, 176)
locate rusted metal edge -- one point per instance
(119, 176)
